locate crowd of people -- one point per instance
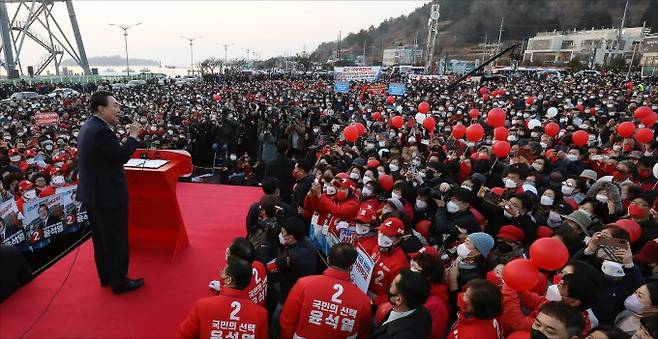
(438, 213)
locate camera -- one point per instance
(435, 194)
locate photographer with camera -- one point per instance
(264, 234)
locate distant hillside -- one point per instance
(464, 23)
(114, 60)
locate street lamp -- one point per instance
(125, 40)
(191, 40)
(226, 53)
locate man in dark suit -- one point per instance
(408, 318)
(270, 186)
(281, 168)
(104, 192)
(47, 219)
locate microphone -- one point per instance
(125, 120)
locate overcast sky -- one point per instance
(269, 27)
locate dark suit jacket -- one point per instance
(100, 160)
(254, 213)
(414, 326)
(281, 168)
(299, 194)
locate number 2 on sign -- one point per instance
(236, 308)
(256, 278)
(339, 292)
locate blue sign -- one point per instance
(341, 86)
(396, 89)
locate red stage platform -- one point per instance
(213, 216)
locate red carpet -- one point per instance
(213, 214)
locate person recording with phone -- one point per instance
(103, 189)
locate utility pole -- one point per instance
(621, 27)
(413, 57)
(191, 41)
(364, 52)
(432, 32)
(226, 54)
(338, 46)
(125, 41)
(635, 48)
(500, 36)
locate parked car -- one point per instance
(136, 83)
(18, 96)
(63, 93)
(118, 86)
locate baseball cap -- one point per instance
(483, 242)
(391, 227)
(648, 254)
(426, 249)
(580, 218)
(366, 214)
(511, 233)
(589, 174)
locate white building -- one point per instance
(649, 59)
(403, 55)
(595, 46)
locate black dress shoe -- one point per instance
(127, 286)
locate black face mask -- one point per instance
(535, 334)
(504, 247)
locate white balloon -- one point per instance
(552, 111)
(420, 117)
(655, 171)
(533, 123)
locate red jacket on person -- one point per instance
(346, 210)
(326, 306)
(387, 267)
(230, 314)
(474, 328)
(257, 288)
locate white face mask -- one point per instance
(382, 143)
(414, 267)
(546, 200)
(384, 241)
(567, 190)
(362, 229)
(393, 167)
(367, 179)
(354, 175)
(15, 158)
(421, 205)
(572, 157)
(452, 207)
(553, 293)
(467, 187)
(58, 180)
(30, 161)
(366, 191)
(412, 140)
(233, 157)
(537, 166)
(30, 195)
(282, 240)
(509, 183)
(331, 190)
(602, 198)
(633, 304)
(507, 214)
(463, 251)
(395, 195)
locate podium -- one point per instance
(154, 218)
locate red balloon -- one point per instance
(501, 148)
(631, 227)
(580, 138)
(423, 107)
(483, 91)
(520, 275)
(397, 121)
(650, 120)
(530, 101)
(644, 135)
(217, 97)
(429, 123)
(390, 100)
(474, 132)
(376, 116)
(458, 131)
(500, 133)
(386, 181)
(626, 129)
(549, 253)
(642, 112)
(496, 117)
(580, 107)
(485, 97)
(552, 129)
(351, 133)
(360, 128)
(474, 113)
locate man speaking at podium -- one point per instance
(104, 192)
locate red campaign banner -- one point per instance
(379, 89)
(46, 118)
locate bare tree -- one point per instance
(210, 65)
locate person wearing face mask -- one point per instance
(389, 258)
(408, 318)
(578, 289)
(369, 194)
(639, 211)
(547, 211)
(200, 322)
(454, 217)
(642, 303)
(509, 245)
(298, 258)
(479, 307)
(557, 321)
(572, 164)
(282, 168)
(403, 192)
(332, 287)
(30, 161)
(303, 182)
(610, 195)
(645, 175)
(648, 328)
(425, 207)
(366, 235)
(471, 262)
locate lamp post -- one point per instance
(225, 54)
(125, 41)
(191, 40)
